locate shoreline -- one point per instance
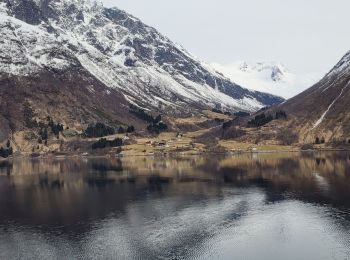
(165, 154)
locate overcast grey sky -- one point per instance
(305, 35)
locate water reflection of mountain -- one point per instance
(167, 206)
(92, 187)
(320, 178)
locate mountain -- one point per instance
(323, 110)
(269, 77)
(118, 50)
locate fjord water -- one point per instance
(251, 206)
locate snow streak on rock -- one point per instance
(319, 121)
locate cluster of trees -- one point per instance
(103, 143)
(7, 151)
(157, 127)
(55, 128)
(320, 141)
(129, 129)
(44, 130)
(98, 130)
(101, 130)
(43, 135)
(155, 123)
(28, 116)
(141, 113)
(260, 120)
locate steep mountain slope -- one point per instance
(324, 109)
(269, 77)
(75, 103)
(116, 49)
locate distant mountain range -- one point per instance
(271, 77)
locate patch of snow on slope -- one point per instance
(26, 49)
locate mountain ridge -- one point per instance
(122, 52)
(323, 110)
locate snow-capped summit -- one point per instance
(117, 49)
(274, 71)
(269, 77)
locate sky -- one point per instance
(307, 36)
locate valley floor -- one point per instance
(171, 143)
(200, 134)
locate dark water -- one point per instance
(280, 206)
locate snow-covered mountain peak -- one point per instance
(118, 50)
(275, 71)
(272, 77)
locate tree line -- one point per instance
(263, 119)
(103, 143)
(101, 130)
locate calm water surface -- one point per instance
(277, 206)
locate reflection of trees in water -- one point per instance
(105, 165)
(158, 183)
(320, 160)
(119, 181)
(61, 166)
(6, 167)
(103, 171)
(53, 184)
(99, 182)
